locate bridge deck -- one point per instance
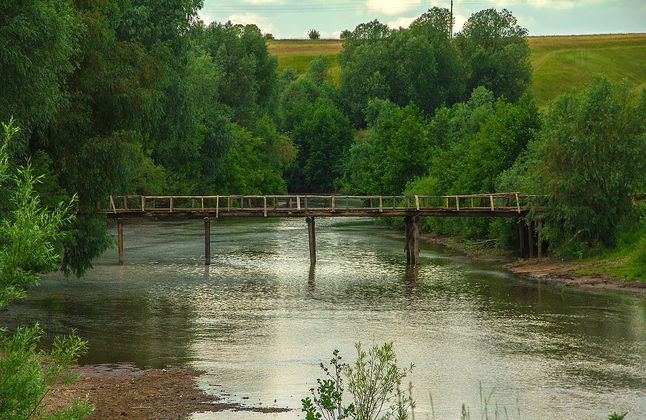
(197, 207)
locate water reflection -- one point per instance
(260, 318)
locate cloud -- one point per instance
(263, 1)
(401, 22)
(391, 7)
(550, 4)
(206, 17)
(459, 22)
(253, 19)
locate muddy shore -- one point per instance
(124, 391)
(565, 273)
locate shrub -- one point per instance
(314, 34)
(374, 381)
(28, 374)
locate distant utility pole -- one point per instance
(451, 24)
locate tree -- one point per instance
(594, 162)
(323, 137)
(419, 65)
(425, 67)
(38, 41)
(496, 50)
(313, 34)
(393, 151)
(363, 69)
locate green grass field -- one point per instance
(560, 62)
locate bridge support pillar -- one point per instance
(530, 234)
(120, 240)
(539, 227)
(311, 233)
(412, 241)
(207, 241)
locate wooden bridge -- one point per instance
(310, 206)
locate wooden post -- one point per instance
(381, 204)
(207, 241)
(120, 241)
(412, 241)
(530, 234)
(540, 239)
(311, 232)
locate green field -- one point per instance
(560, 62)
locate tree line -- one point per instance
(135, 96)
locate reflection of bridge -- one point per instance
(310, 206)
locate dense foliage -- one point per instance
(28, 237)
(373, 381)
(590, 159)
(142, 97)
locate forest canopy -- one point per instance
(141, 97)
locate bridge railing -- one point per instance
(276, 203)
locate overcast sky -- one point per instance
(293, 18)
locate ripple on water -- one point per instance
(259, 321)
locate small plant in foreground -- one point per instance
(374, 381)
(617, 416)
(27, 375)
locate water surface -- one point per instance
(259, 321)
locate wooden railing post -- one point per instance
(143, 203)
(333, 203)
(491, 202)
(114, 208)
(417, 202)
(298, 202)
(171, 203)
(517, 204)
(264, 201)
(457, 202)
(217, 206)
(381, 204)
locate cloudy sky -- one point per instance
(293, 18)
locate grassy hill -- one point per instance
(560, 62)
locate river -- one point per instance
(259, 322)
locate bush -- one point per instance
(374, 381)
(28, 374)
(314, 34)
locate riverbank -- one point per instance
(566, 273)
(123, 390)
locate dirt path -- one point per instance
(124, 391)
